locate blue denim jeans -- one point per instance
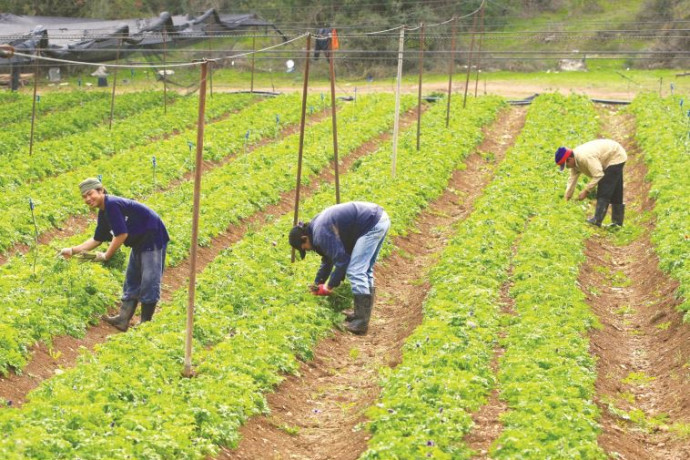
(360, 272)
(143, 277)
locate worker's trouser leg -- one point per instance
(617, 206)
(609, 190)
(143, 277)
(617, 214)
(360, 271)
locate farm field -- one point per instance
(505, 326)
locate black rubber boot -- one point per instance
(617, 215)
(360, 323)
(121, 321)
(147, 310)
(599, 212)
(350, 314)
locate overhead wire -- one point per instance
(273, 51)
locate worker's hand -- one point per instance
(66, 253)
(567, 198)
(322, 290)
(100, 257)
(582, 195)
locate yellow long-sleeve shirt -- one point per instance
(591, 159)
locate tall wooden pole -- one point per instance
(469, 61)
(335, 124)
(210, 69)
(479, 48)
(165, 72)
(251, 88)
(396, 124)
(210, 78)
(33, 108)
(112, 97)
(195, 223)
(301, 137)
(451, 67)
(419, 95)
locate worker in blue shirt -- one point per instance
(124, 221)
(348, 237)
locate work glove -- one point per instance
(100, 257)
(66, 253)
(322, 290)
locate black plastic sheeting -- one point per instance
(528, 100)
(109, 40)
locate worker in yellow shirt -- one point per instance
(603, 160)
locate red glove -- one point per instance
(322, 290)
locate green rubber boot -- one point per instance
(360, 323)
(121, 321)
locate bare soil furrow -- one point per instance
(643, 348)
(318, 414)
(66, 349)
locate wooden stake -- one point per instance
(112, 97)
(335, 124)
(469, 61)
(165, 72)
(188, 372)
(419, 96)
(251, 88)
(396, 124)
(479, 49)
(451, 67)
(301, 137)
(33, 108)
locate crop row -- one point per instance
(663, 134)
(445, 375)
(18, 107)
(132, 173)
(57, 156)
(14, 142)
(254, 317)
(38, 306)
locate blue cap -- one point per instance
(562, 154)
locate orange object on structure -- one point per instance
(334, 40)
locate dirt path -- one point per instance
(66, 349)
(643, 385)
(318, 414)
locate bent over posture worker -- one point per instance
(124, 221)
(348, 237)
(603, 160)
